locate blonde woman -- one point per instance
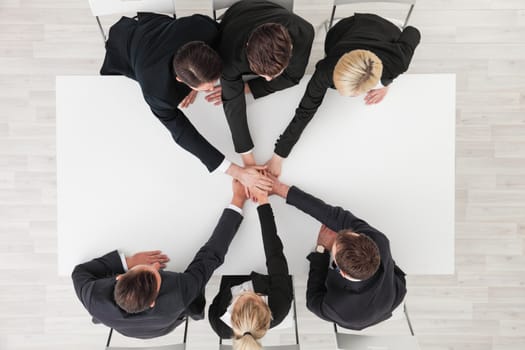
(247, 306)
(364, 54)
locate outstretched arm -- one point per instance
(211, 255)
(187, 136)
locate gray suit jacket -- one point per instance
(94, 283)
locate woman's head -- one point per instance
(250, 320)
(357, 72)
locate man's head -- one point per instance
(357, 72)
(356, 255)
(197, 65)
(269, 49)
(137, 289)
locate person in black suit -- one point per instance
(363, 285)
(247, 306)
(172, 59)
(134, 297)
(262, 38)
(364, 54)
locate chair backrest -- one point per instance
(224, 4)
(161, 347)
(178, 346)
(380, 342)
(346, 2)
(401, 24)
(108, 7)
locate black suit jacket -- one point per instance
(94, 283)
(277, 284)
(352, 305)
(394, 47)
(143, 50)
(235, 28)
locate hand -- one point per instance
(248, 159)
(252, 178)
(376, 95)
(278, 187)
(147, 258)
(274, 165)
(326, 237)
(215, 95)
(188, 100)
(261, 197)
(247, 89)
(239, 196)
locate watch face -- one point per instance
(320, 249)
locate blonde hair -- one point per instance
(251, 319)
(357, 72)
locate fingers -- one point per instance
(192, 96)
(184, 103)
(213, 96)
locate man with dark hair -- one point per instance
(172, 59)
(263, 38)
(363, 286)
(136, 298)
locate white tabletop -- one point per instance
(123, 182)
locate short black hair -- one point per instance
(196, 63)
(136, 290)
(269, 49)
(357, 256)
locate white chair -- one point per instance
(110, 7)
(379, 342)
(289, 321)
(180, 346)
(224, 4)
(401, 24)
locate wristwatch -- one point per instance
(320, 249)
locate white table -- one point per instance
(123, 182)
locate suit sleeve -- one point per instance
(210, 256)
(315, 286)
(186, 136)
(312, 99)
(336, 218)
(280, 290)
(234, 104)
(409, 40)
(303, 34)
(216, 310)
(85, 275)
(406, 45)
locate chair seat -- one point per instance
(380, 342)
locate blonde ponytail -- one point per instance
(357, 72)
(251, 319)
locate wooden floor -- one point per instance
(481, 307)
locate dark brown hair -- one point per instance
(357, 256)
(136, 290)
(196, 63)
(269, 49)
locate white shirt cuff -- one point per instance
(236, 208)
(250, 151)
(223, 166)
(123, 260)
